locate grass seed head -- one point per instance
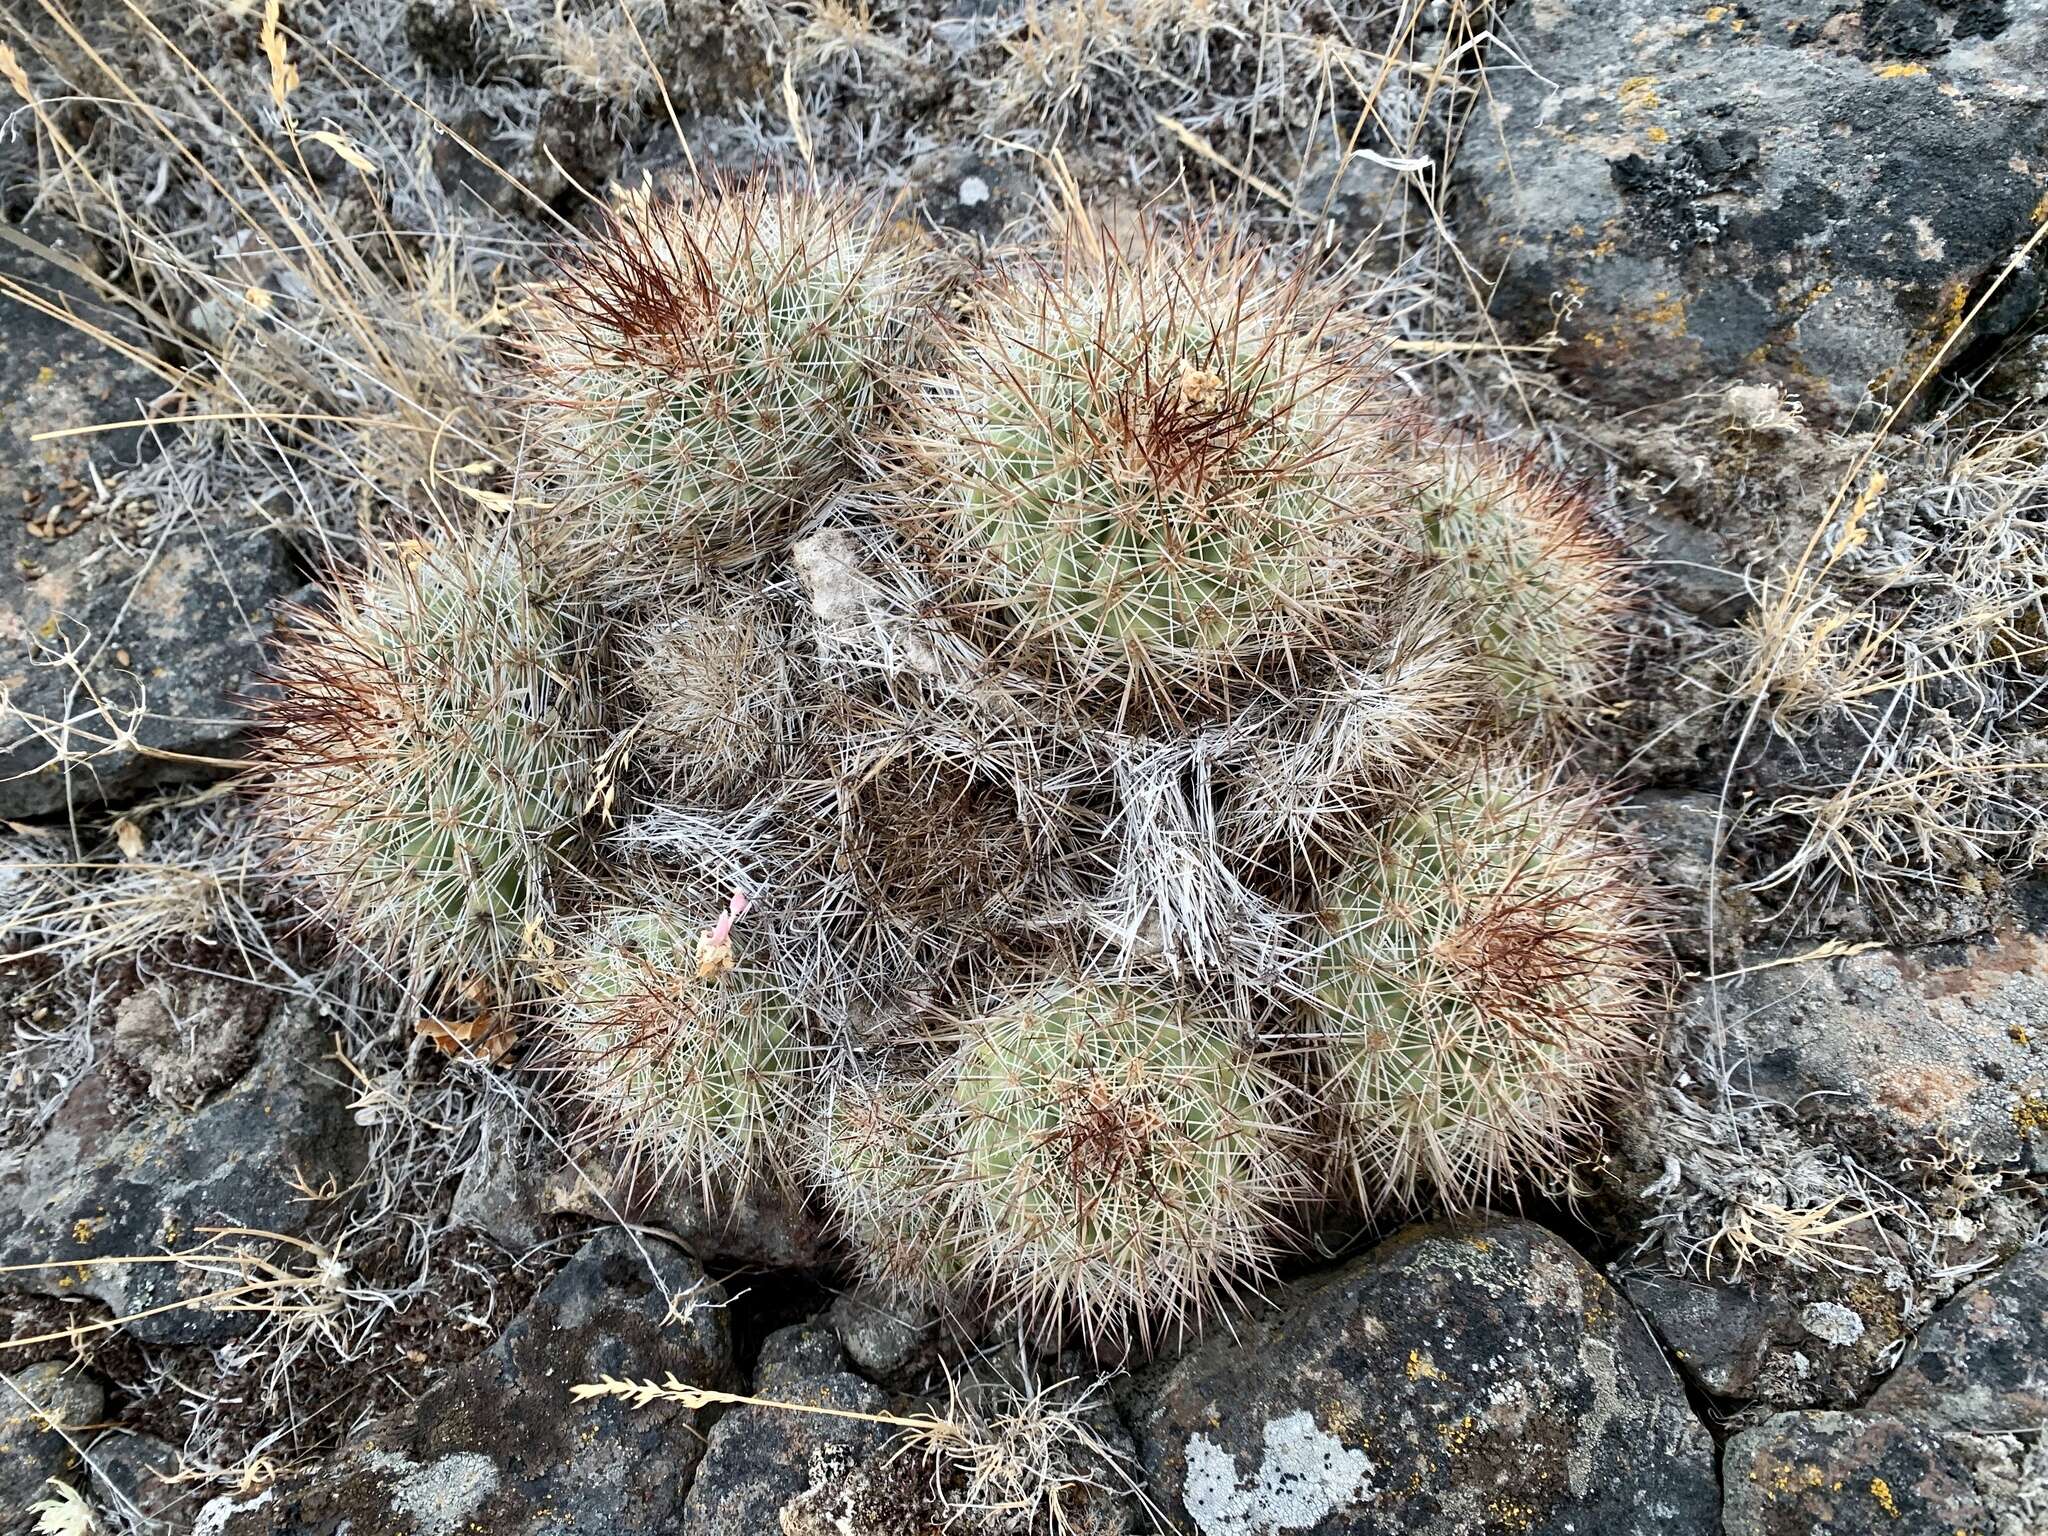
(1487, 981)
(427, 756)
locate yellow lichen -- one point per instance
(2030, 1116)
(1420, 1369)
(1511, 1515)
(1881, 1491)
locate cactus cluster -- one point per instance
(1056, 761)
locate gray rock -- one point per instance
(1790, 1342)
(963, 188)
(1764, 192)
(168, 636)
(1724, 1337)
(759, 1459)
(53, 376)
(1677, 831)
(136, 1466)
(189, 1035)
(100, 1184)
(854, 1495)
(163, 629)
(1907, 1053)
(34, 1403)
(500, 1196)
(498, 1446)
(889, 1341)
(1940, 1446)
(1859, 1475)
(1982, 1363)
(1456, 1379)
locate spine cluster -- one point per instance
(1064, 770)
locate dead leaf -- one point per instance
(128, 835)
(344, 147)
(481, 1035)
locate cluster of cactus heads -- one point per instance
(1038, 764)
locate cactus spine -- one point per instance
(1542, 586)
(1157, 469)
(692, 1063)
(428, 757)
(700, 372)
(1484, 985)
(1124, 1160)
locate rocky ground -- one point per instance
(1770, 272)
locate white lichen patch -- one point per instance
(1304, 1476)
(1832, 1323)
(443, 1496)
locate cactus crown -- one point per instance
(1122, 1157)
(428, 756)
(1484, 983)
(693, 1065)
(701, 370)
(1156, 468)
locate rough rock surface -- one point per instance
(33, 1402)
(187, 1036)
(100, 1183)
(167, 634)
(759, 1459)
(764, 1226)
(1982, 1363)
(1763, 192)
(497, 1445)
(138, 1467)
(1940, 1448)
(1819, 1341)
(1908, 1051)
(500, 1195)
(1455, 1379)
(1857, 1475)
(1676, 830)
(54, 376)
(163, 627)
(888, 1341)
